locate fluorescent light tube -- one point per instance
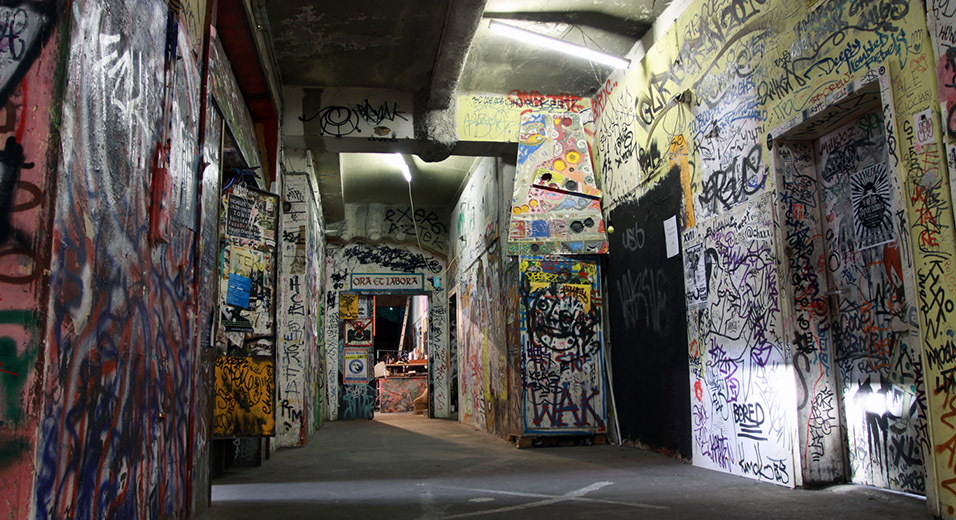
(559, 45)
(399, 161)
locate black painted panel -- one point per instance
(648, 323)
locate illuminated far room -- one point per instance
(401, 353)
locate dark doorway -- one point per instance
(453, 353)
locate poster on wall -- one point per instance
(356, 366)
(358, 333)
(245, 337)
(244, 265)
(356, 307)
(872, 206)
(245, 390)
(238, 293)
(366, 307)
(246, 323)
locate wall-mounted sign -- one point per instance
(356, 366)
(359, 333)
(392, 282)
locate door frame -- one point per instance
(810, 125)
(409, 293)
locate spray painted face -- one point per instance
(560, 317)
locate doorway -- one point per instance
(384, 354)
(854, 356)
(401, 353)
(453, 355)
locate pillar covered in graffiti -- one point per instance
(556, 210)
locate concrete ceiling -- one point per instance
(433, 50)
(380, 180)
(496, 64)
(372, 44)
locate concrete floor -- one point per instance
(402, 466)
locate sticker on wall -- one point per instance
(358, 333)
(872, 206)
(348, 306)
(695, 276)
(356, 366)
(923, 125)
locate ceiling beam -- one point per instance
(461, 22)
(630, 27)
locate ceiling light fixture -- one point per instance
(559, 45)
(399, 161)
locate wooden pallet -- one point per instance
(545, 441)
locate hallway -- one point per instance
(233, 231)
(402, 466)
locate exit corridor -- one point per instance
(402, 466)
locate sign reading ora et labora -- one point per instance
(391, 282)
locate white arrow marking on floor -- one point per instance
(577, 495)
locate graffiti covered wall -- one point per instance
(120, 366)
(724, 76)
(207, 308)
(395, 223)
(742, 392)
(496, 118)
(296, 367)
(485, 366)
(30, 87)
(482, 353)
(882, 396)
(228, 97)
(315, 262)
(805, 277)
(930, 210)
(372, 115)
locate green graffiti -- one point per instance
(25, 318)
(14, 368)
(11, 450)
